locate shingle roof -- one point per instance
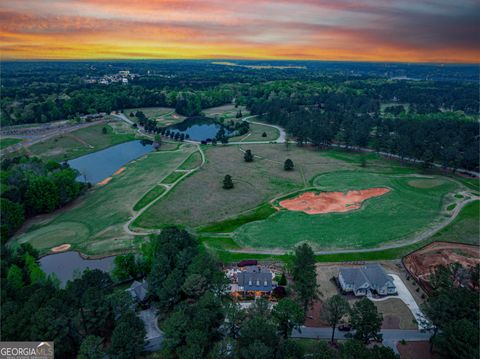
(354, 277)
(373, 274)
(255, 278)
(139, 290)
(376, 275)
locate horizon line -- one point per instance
(234, 59)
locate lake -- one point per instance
(99, 165)
(199, 128)
(67, 264)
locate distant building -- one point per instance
(139, 291)
(124, 81)
(124, 73)
(370, 278)
(255, 279)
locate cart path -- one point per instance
(418, 238)
(168, 188)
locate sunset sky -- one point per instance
(382, 30)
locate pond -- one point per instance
(199, 128)
(67, 265)
(99, 165)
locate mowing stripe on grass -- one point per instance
(149, 197)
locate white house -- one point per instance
(370, 278)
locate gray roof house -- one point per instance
(255, 279)
(369, 278)
(139, 291)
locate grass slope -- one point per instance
(7, 142)
(200, 200)
(255, 133)
(392, 217)
(95, 224)
(82, 142)
(465, 228)
(149, 197)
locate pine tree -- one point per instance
(227, 182)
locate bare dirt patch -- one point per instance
(313, 317)
(416, 350)
(327, 202)
(105, 181)
(119, 171)
(422, 263)
(61, 248)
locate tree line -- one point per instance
(353, 120)
(200, 319)
(30, 187)
(87, 319)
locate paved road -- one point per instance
(390, 336)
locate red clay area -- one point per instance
(327, 202)
(422, 263)
(313, 318)
(415, 350)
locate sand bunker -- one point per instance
(62, 248)
(327, 202)
(105, 181)
(119, 171)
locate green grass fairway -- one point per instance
(199, 199)
(95, 224)
(165, 116)
(224, 112)
(83, 141)
(149, 197)
(192, 162)
(7, 142)
(465, 228)
(173, 177)
(255, 134)
(394, 216)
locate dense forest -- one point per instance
(81, 318)
(323, 103)
(349, 116)
(51, 91)
(30, 186)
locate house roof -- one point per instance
(354, 277)
(255, 278)
(139, 290)
(376, 275)
(372, 274)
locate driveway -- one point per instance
(405, 296)
(153, 335)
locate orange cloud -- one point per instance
(409, 31)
